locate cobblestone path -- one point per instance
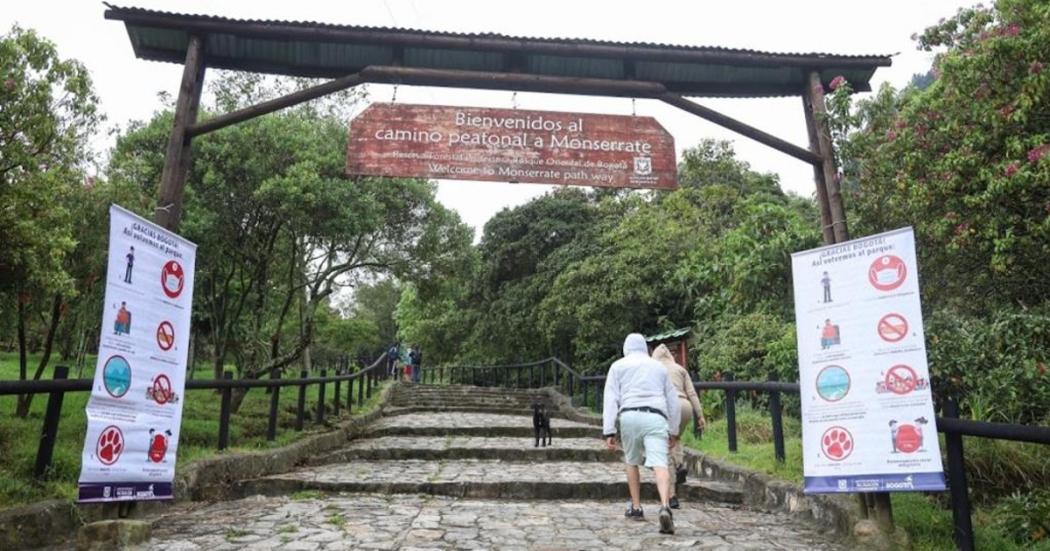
(413, 522)
(457, 479)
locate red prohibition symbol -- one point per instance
(901, 379)
(836, 443)
(110, 445)
(887, 272)
(162, 389)
(165, 335)
(893, 328)
(172, 279)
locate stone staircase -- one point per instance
(466, 441)
(455, 467)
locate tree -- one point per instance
(280, 229)
(47, 111)
(965, 160)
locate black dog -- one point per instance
(541, 423)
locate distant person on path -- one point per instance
(689, 404)
(826, 282)
(406, 363)
(392, 357)
(131, 264)
(416, 357)
(641, 406)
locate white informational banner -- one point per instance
(135, 409)
(867, 413)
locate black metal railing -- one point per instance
(366, 378)
(574, 384)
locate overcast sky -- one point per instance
(128, 86)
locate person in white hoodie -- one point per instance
(641, 407)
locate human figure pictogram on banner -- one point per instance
(122, 325)
(829, 335)
(130, 266)
(826, 283)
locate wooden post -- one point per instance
(177, 155)
(818, 172)
(822, 146)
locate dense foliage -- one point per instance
(571, 273)
(965, 158)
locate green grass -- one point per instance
(199, 437)
(927, 521)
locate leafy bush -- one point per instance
(1025, 517)
(996, 365)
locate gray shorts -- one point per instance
(644, 434)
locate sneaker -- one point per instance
(634, 514)
(673, 503)
(666, 523)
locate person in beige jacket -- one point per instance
(690, 407)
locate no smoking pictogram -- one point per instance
(110, 445)
(172, 279)
(893, 327)
(901, 379)
(165, 335)
(836, 443)
(887, 272)
(162, 389)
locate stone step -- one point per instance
(519, 408)
(468, 390)
(453, 401)
(466, 447)
(480, 479)
(473, 424)
(397, 409)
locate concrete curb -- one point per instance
(47, 523)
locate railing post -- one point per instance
(778, 422)
(962, 525)
(319, 416)
(585, 384)
(224, 412)
(369, 375)
(569, 379)
(336, 401)
(731, 414)
(349, 394)
(474, 376)
(300, 410)
(49, 432)
(361, 388)
(532, 375)
(275, 401)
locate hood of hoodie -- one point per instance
(663, 355)
(635, 344)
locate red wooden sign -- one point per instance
(511, 145)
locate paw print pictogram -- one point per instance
(110, 445)
(837, 443)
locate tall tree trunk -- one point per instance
(49, 341)
(23, 352)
